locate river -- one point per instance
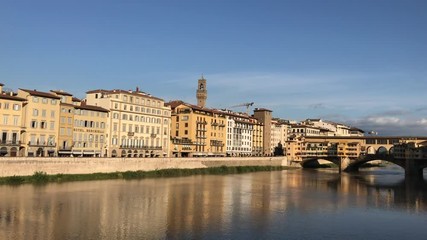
(293, 204)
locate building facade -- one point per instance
(40, 123)
(197, 131)
(264, 116)
(11, 141)
(138, 124)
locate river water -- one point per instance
(294, 204)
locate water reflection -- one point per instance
(250, 206)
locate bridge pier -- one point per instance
(413, 168)
(343, 164)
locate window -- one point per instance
(15, 120)
(6, 106)
(53, 102)
(35, 99)
(44, 100)
(52, 126)
(43, 113)
(16, 107)
(35, 112)
(52, 114)
(5, 118)
(43, 125)
(33, 124)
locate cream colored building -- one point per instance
(89, 132)
(138, 123)
(40, 123)
(11, 124)
(279, 133)
(197, 131)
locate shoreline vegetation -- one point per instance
(41, 177)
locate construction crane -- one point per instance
(247, 105)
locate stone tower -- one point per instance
(264, 116)
(202, 92)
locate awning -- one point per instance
(64, 152)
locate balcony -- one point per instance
(10, 143)
(41, 144)
(140, 147)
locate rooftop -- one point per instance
(40, 94)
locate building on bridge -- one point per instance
(410, 150)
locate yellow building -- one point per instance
(40, 123)
(66, 120)
(138, 123)
(257, 139)
(197, 131)
(10, 123)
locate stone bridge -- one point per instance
(412, 167)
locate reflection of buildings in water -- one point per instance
(87, 210)
(194, 206)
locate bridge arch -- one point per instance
(391, 151)
(382, 150)
(371, 150)
(314, 162)
(354, 165)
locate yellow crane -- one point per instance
(247, 105)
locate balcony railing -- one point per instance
(41, 144)
(140, 147)
(10, 143)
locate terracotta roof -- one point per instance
(60, 92)
(91, 107)
(67, 104)
(74, 99)
(40, 94)
(8, 97)
(130, 92)
(176, 103)
(1, 84)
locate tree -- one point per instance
(278, 151)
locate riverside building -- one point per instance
(82, 127)
(138, 124)
(11, 141)
(39, 123)
(264, 116)
(240, 133)
(197, 131)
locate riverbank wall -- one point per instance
(25, 166)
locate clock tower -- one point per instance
(202, 92)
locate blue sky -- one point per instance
(358, 62)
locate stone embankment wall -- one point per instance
(24, 166)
